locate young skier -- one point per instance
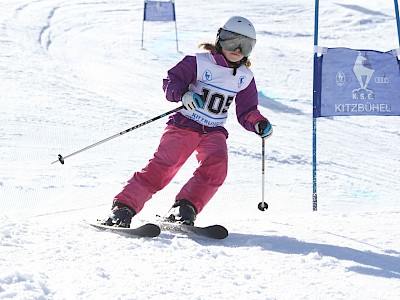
(206, 84)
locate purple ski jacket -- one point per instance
(185, 72)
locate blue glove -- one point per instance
(191, 101)
(264, 129)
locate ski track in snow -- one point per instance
(73, 73)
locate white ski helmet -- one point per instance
(237, 32)
(240, 25)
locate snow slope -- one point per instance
(73, 73)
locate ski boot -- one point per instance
(183, 212)
(120, 216)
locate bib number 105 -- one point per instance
(217, 103)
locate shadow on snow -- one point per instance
(373, 264)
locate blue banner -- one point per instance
(357, 82)
(159, 11)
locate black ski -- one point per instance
(145, 230)
(218, 232)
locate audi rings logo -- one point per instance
(381, 80)
(340, 78)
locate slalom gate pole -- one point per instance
(62, 158)
(396, 9)
(314, 124)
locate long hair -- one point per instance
(217, 49)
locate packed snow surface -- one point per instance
(74, 72)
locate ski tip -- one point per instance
(151, 230)
(220, 232)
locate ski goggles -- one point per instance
(231, 41)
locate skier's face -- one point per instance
(233, 56)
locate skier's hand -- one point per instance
(191, 101)
(264, 129)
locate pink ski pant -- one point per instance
(176, 145)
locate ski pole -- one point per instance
(62, 158)
(263, 205)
